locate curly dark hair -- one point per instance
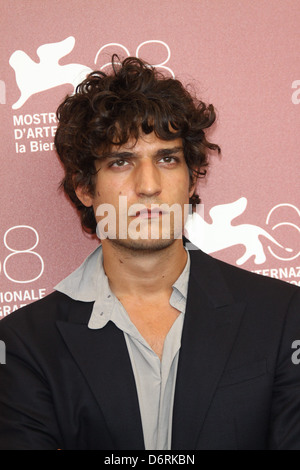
(108, 109)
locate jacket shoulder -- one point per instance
(242, 284)
(46, 311)
(253, 279)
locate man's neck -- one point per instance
(143, 273)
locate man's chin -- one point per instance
(143, 245)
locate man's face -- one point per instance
(152, 173)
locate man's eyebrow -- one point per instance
(168, 151)
(126, 154)
(116, 154)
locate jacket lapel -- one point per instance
(211, 324)
(104, 361)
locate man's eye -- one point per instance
(119, 163)
(168, 159)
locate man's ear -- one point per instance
(192, 189)
(84, 196)
(193, 184)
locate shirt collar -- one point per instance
(89, 283)
(82, 284)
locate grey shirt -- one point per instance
(155, 379)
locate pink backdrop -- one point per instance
(241, 55)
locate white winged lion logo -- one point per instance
(221, 234)
(34, 77)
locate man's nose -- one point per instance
(147, 179)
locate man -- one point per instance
(150, 343)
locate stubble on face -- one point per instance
(139, 247)
(155, 234)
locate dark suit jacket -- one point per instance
(69, 387)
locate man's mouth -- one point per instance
(149, 213)
(146, 213)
